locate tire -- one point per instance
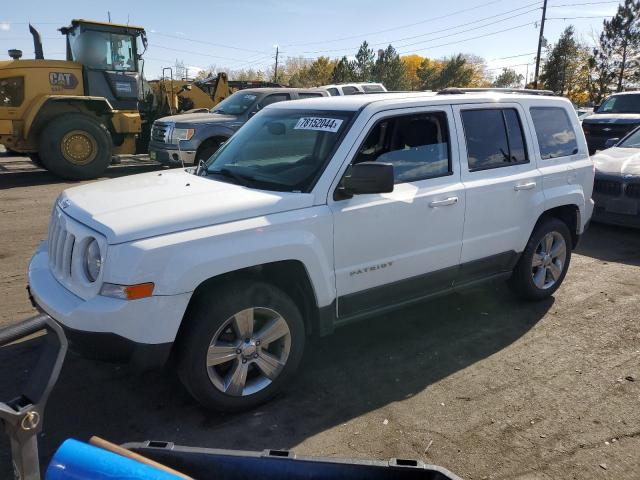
(208, 149)
(218, 318)
(76, 147)
(539, 281)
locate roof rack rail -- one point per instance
(522, 91)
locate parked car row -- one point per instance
(318, 212)
(192, 137)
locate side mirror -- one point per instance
(611, 142)
(368, 177)
(596, 107)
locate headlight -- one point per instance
(92, 261)
(181, 134)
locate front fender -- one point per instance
(179, 262)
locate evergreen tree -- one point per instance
(389, 70)
(455, 71)
(615, 59)
(509, 78)
(559, 67)
(364, 63)
(344, 72)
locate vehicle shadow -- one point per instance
(35, 177)
(610, 243)
(361, 368)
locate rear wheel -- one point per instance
(240, 346)
(76, 146)
(544, 262)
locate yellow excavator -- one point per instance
(72, 116)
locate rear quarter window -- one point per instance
(555, 134)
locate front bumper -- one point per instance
(141, 331)
(171, 157)
(625, 215)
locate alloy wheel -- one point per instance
(548, 260)
(249, 351)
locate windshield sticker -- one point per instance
(249, 97)
(318, 123)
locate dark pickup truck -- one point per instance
(614, 118)
(200, 134)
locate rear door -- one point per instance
(395, 247)
(502, 184)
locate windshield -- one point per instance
(621, 104)
(103, 50)
(632, 141)
(236, 104)
(281, 149)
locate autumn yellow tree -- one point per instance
(411, 65)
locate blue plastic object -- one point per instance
(76, 460)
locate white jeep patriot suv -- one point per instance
(315, 213)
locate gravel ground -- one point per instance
(477, 382)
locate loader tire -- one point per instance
(76, 147)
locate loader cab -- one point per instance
(110, 57)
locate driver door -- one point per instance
(393, 248)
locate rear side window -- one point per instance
(372, 88)
(308, 95)
(278, 97)
(494, 138)
(556, 137)
(333, 92)
(349, 90)
(417, 146)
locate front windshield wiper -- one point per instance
(239, 178)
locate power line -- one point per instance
(512, 56)
(470, 38)
(393, 28)
(575, 18)
(442, 30)
(180, 37)
(581, 4)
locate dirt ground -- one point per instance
(477, 382)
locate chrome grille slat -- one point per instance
(67, 251)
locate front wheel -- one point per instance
(240, 346)
(544, 262)
(75, 146)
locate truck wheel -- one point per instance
(544, 262)
(240, 346)
(75, 146)
(207, 149)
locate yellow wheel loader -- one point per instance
(72, 116)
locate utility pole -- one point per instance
(275, 74)
(109, 15)
(540, 38)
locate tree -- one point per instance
(344, 71)
(615, 58)
(411, 65)
(364, 63)
(509, 78)
(455, 71)
(390, 71)
(320, 72)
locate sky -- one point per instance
(243, 34)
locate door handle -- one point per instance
(525, 186)
(444, 202)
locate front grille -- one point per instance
(606, 130)
(607, 187)
(61, 243)
(160, 132)
(632, 190)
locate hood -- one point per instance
(192, 118)
(618, 161)
(615, 118)
(156, 203)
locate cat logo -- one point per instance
(62, 81)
